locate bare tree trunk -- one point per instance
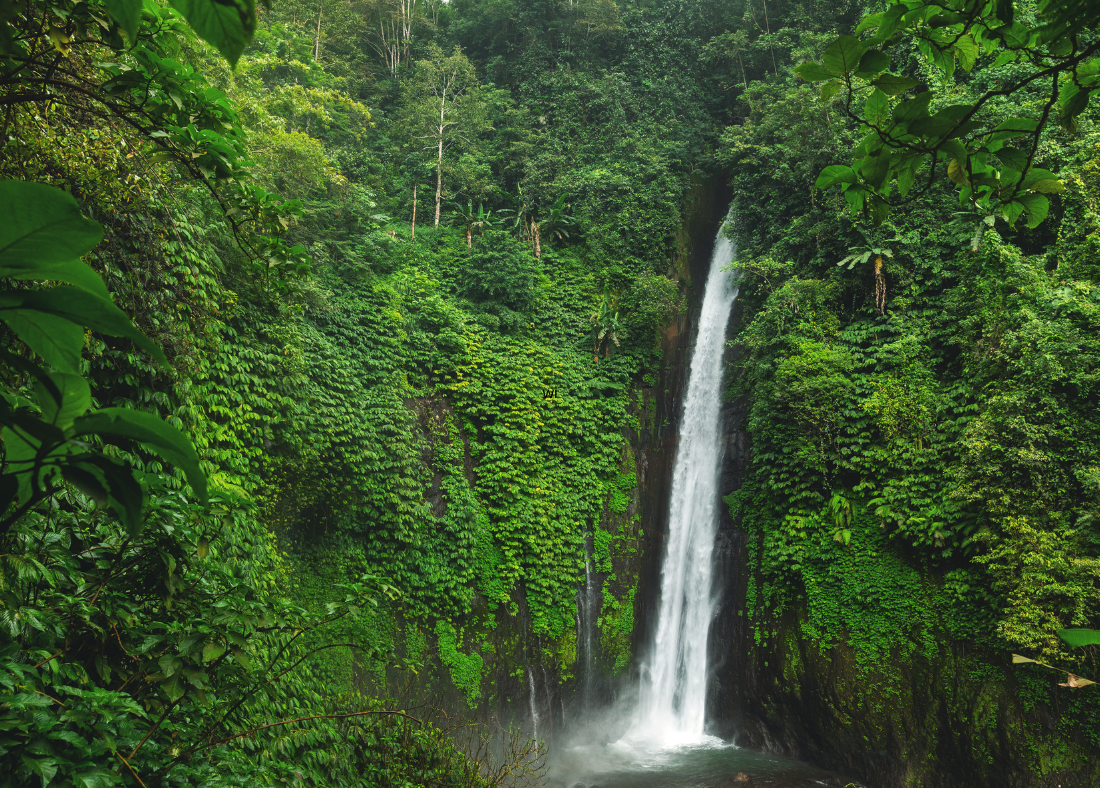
(439, 177)
(538, 245)
(439, 158)
(880, 286)
(408, 8)
(469, 239)
(768, 27)
(415, 184)
(317, 38)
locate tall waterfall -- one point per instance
(673, 693)
(588, 611)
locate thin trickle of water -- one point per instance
(548, 689)
(587, 615)
(534, 705)
(673, 693)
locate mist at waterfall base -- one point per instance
(656, 735)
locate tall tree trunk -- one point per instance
(415, 184)
(439, 177)
(768, 27)
(439, 158)
(538, 244)
(469, 239)
(880, 286)
(317, 38)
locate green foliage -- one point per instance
(46, 439)
(601, 551)
(465, 669)
(922, 436)
(546, 441)
(499, 276)
(616, 625)
(1049, 582)
(226, 26)
(987, 149)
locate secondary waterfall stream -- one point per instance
(673, 694)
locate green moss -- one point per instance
(601, 550)
(464, 669)
(616, 626)
(566, 657)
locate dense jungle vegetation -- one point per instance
(355, 322)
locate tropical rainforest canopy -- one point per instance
(329, 330)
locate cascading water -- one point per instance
(587, 612)
(673, 694)
(534, 706)
(666, 744)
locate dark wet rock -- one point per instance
(743, 780)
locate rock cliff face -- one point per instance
(952, 716)
(538, 686)
(955, 721)
(958, 719)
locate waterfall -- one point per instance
(673, 693)
(587, 615)
(534, 706)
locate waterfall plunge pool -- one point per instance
(705, 763)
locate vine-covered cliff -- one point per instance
(342, 354)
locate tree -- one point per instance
(480, 219)
(989, 157)
(117, 62)
(444, 106)
(391, 28)
(556, 224)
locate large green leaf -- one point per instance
(41, 226)
(80, 307)
(830, 89)
(870, 22)
(1036, 206)
(814, 72)
(893, 85)
(57, 340)
(906, 169)
(1080, 637)
(109, 482)
(877, 110)
(1012, 211)
(227, 25)
(127, 13)
(872, 62)
(151, 432)
(72, 272)
(914, 108)
(835, 173)
(842, 55)
(966, 50)
(876, 166)
(76, 398)
(20, 451)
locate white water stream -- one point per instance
(672, 702)
(666, 745)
